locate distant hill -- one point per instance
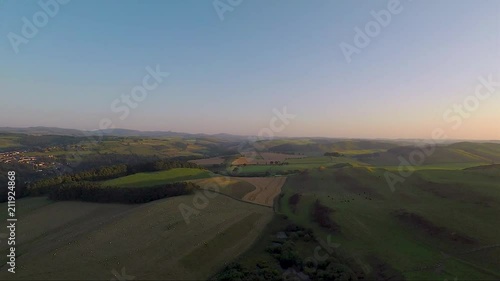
(455, 153)
(110, 132)
(42, 131)
(321, 146)
(486, 150)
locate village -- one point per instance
(20, 157)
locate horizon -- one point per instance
(444, 141)
(229, 71)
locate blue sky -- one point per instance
(228, 75)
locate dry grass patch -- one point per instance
(229, 186)
(266, 190)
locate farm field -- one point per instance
(76, 240)
(452, 154)
(233, 187)
(437, 225)
(209, 161)
(260, 191)
(267, 189)
(263, 158)
(7, 141)
(295, 165)
(443, 166)
(166, 147)
(158, 178)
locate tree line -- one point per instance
(94, 192)
(43, 186)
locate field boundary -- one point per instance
(253, 203)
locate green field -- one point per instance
(88, 241)
(443, 166)
(295, 165)
(152, 147)
(8, 141)
(433, 212)
(158, 178)
(231, 186)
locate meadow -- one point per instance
(158, 178)
(9, 141)
(432, 227)
(72, 240)
(233, 187)
(260, 191)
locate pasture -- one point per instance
(146, 147)
(209, 161)
(263, 158)
(90, 241)
(233, 187)
(294, 166)
(8, 141)
(436, 225)
(158, 178)
(260, 191)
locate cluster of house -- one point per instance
(8, 157)
(20, 157)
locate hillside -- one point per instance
(89, 241)
(454, 153)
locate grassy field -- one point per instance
(232, 187)
(435, 217)
(161, 147)
(209, 161)
(89, 241)
(256, 190)
(472, 153)
(29, 204)
(442, 166)
(267, 189)
(157, 178)
(264, 158)
(7, 141)
(296, 165)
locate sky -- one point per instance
(232, 64)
